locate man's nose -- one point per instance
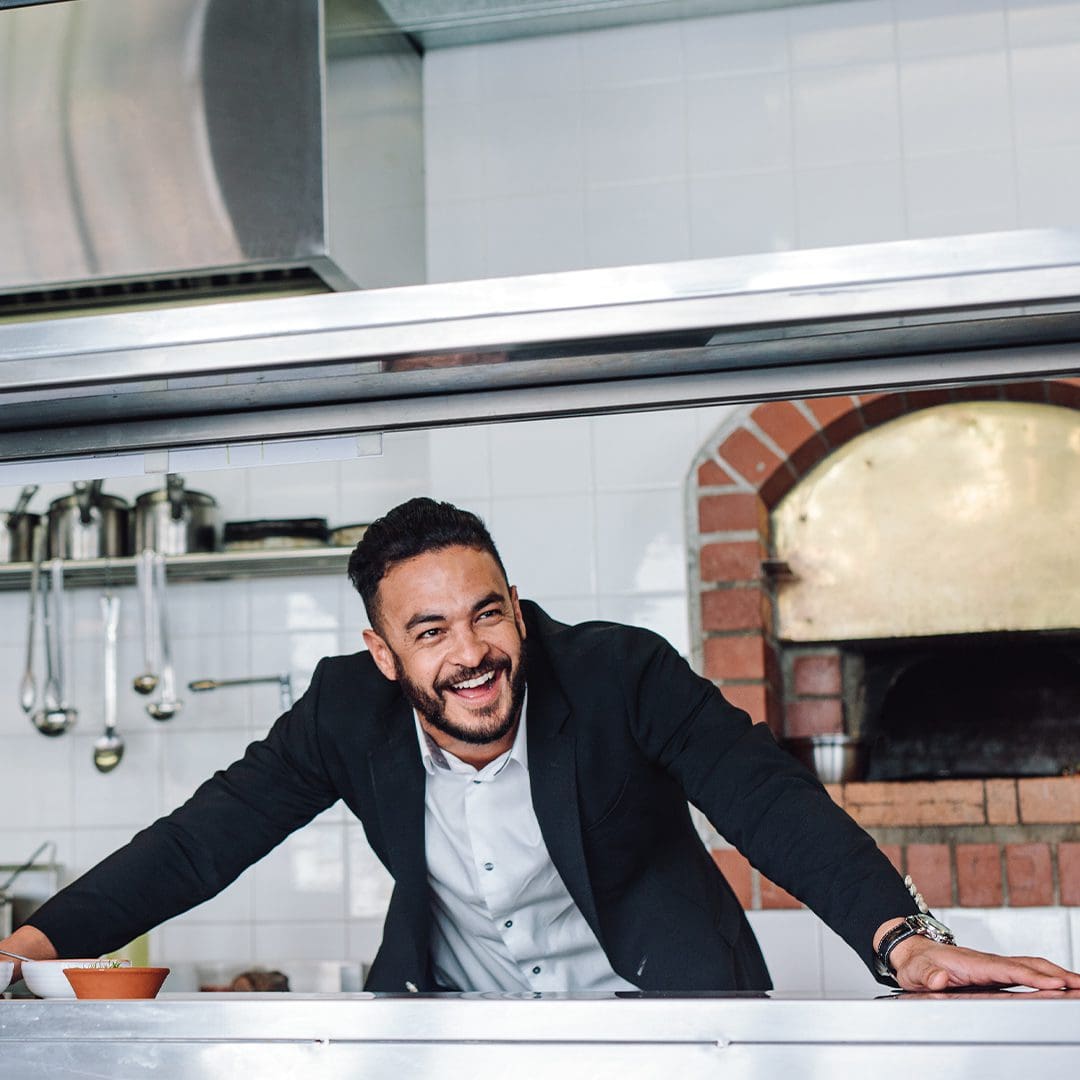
(468, 648)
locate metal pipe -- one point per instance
(284, 684)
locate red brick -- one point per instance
(710, 474)
(792, 432)
(1001, 802)
(739, 510)
(1025, 391)
(1064, 392)
(737, 870)
(736, 657)
(928, 865)
(926, 399)
(772, 896)
(736, 560)
(778, 485)
(818, 673)
(743, 451)
(893, 854)
(1053, 800)
(818, 716)
(758, 700)
(878, 408)
(1027, 870)
(735, 609)
(1068, 854)
(977, 392)
(919, 802)
(784, 424)
(978, 875)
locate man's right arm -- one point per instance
(231, 821)
(30, 942)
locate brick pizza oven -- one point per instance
(815, 625)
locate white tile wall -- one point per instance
(834, 123)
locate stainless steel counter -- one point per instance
(563, 1036)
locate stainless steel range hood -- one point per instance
(172, 150)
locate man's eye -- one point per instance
(490, 613)
(432, 632)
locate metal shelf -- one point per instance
(213, 566)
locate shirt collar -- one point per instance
(434, 757)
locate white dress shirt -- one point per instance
(502, 917)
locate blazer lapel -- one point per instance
(397, 775)
(553, 781)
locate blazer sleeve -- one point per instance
(230, 822)
(761, 799)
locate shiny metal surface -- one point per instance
(548, 1036)
(155, 139)
(217, 566)
(915, 528)
(812, 322)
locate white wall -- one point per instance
(827, 124)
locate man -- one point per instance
(526, 784)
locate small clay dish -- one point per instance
(116, 983)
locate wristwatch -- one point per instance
(923, 924)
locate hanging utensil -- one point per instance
(55, 717)
(28, 690)
(167, 705)
(109, 749)
(283, 681)
(146, 683)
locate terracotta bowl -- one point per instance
(45, 978)
(115, 983)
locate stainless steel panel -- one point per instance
(814, 322)
(145, 139)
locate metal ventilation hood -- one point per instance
(173, 150)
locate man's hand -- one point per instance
(922, 964)
(29, 942)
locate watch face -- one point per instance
(936, 929)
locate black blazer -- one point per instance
(621, 733)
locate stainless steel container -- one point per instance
(834, 759)
(175, 521)
(17, 536)
(88, 525)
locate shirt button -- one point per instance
(508, 923)
(476, 781)
(536, 970)
(489, 866)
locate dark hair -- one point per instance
(413, 528)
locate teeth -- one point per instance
(469, 684)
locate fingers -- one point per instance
(936, 968)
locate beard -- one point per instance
(489, 725)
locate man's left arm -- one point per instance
(782, 819)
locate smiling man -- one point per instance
(525, 783)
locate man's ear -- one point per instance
(381, 654)
(517, 610)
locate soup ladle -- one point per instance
(56, 716)
(16, 956)
(109, 748)
(166, 706)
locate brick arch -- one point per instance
(737, 478)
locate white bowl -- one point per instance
(46, 978)
(6, 968)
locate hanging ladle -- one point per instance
(109, 749)
(146, 683)
(56, 716)
(166, 706)
(28, 689)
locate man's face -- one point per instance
(451, 632)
